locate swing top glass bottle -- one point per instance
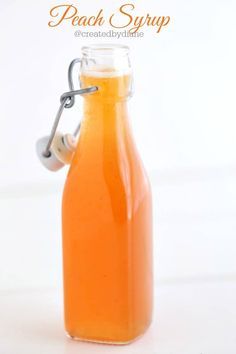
(107, 212)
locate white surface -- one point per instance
(194, 318)
(195, 268)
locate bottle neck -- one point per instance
(111, 87)
(104, 110)
(104, 118)
(105, 113)
(104, 131)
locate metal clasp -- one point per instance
(67, 100)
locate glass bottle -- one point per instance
(107, 212)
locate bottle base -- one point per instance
(78, 339)
(107, 342)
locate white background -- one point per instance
(183, 115)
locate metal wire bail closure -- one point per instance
(55, 150)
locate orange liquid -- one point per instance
(107, 224)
